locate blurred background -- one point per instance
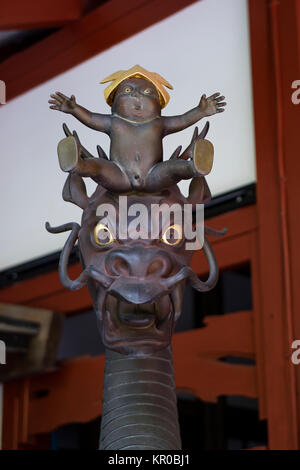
(237, 385)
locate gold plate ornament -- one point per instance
(203, 156)
(68, 153)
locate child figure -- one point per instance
(136, 129)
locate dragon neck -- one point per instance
(139, 407)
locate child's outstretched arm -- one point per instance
(99, 122)
(207, 107)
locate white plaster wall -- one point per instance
(202, 49)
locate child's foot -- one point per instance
(202, 156)
(68, 153)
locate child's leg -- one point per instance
(104, 172)
(165, 174)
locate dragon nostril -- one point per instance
(159, 267)
(120, 267)
(116, 264)
(155, 267)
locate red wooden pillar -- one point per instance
(274, 31)
(15, 414)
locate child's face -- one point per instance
(136, 99)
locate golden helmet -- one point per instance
(139, 72)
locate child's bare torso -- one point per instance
(147, 138)
(136, 129)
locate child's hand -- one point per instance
(212, 105)
(61, 102)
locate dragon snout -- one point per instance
(138, 262)
(135, 292)
(138, 273)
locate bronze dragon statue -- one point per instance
(136, 265)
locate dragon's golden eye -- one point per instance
(127, 89)
(173, 235)
(102, 235)
(147, 91)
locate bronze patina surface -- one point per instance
(136, 284)
(136, 130)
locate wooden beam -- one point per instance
(288, 34)
(57, 398)
(24, 292)
(234, 248)
(211, 341)
(214, 378)
(66, 301)
(34, 14)
(258, 331)
(229, 252)
(237, 222)
(15, 414)
(102, 28)
(274, 50)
